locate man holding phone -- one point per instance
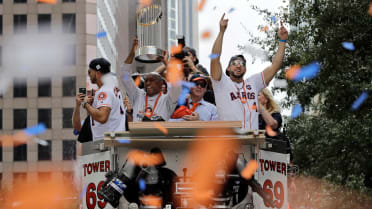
(106, 109)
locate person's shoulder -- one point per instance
(207, 104)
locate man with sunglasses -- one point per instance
(196, 108)
(236, 98)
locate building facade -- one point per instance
(44, 54)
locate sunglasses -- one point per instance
(202, 84)
(238, 62)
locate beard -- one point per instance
(236, 76)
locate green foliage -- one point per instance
(330, 141)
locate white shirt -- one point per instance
(206, 111)
(230, 98)
(108, 96)
(137, 97)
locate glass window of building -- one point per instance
(20, 87)
(69, 149)
(20, 153)
(45, 116)
(1, 119)
(69, 55)
(1, 24)
(19, 118)
(67, 117)
(65, 1)
(69, 23)
(19, 24)
(44, 87)
(45, 152)
(20, 1)
(44, 22)
(69, 86)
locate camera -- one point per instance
(181, 42)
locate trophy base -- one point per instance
(149, 54)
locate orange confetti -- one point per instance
(370, 9)
(151, 200)
(161, 128)
(47, 1)
(175, 71)
(206, 35)
(250, 169)
(144, 3)
(145, 159)
(176, 49)
(254, 106)
(270, 131)
(292, 72)
(209, 163)
(40, 194)
(201, 5)
(14, 140)
(137, 82)
(264, 29)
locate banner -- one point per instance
(93, 170)
(272, 175)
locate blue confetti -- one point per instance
(142, 184)
(83, 192)
(296, 111)
(123, 141)
(126, 77)
(231, 10)
(188, 84)
(101, 34)
(213, 56)
(273, 19)
(359, 101)
(183, 96)
(348, 45)
(308, 72)
(35, 130)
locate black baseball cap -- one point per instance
(233, 58)
(197, 77)
(101, 65)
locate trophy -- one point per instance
(149, 31)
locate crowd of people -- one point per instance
(197, 97)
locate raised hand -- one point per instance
(223, 23)
(282, 32)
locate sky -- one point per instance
(241, 18)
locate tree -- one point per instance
(331, 141)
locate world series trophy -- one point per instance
(149, 31)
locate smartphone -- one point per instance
(83, 91)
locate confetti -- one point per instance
(142, 184)
(47, 1)
(359, 101)
(231, 10)
(264, 29)
(176, 49)
(250, 169)
(126, 77)
(144, 3)
(101, 34)
(175, 71)
(292, 72)
(145, 159)
(370, 9)
(35, 130)
(82, 194)
(213, 56)
(308, 72)
(201, 5)
(183, 96)
(124, 141)
(161, 128)
(152, 201)
(348, 45)
(296, 111)
(41, 142)
(273, 19)
(280, 83)
(137, 82)
(206, 34)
